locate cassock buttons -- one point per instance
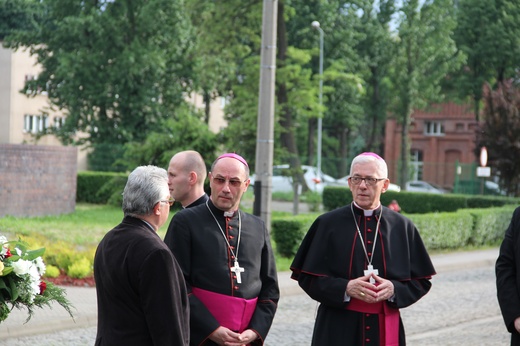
(236, 287)
(369, 230)
(369, 241)
(369, 254)
(367, 327)
(367, 340)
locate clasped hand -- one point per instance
(362, 289)
(227, 337)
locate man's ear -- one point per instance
(157, 209)
(192, 178)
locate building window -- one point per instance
(459, 127)
(35, 123)
(417, 164)
(58, 122)
(433, 128)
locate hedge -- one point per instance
(418, 202)
(447, 230)
(99, 187)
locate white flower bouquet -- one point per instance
(21, 283)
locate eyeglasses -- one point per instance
(368, 181)
(232, 182)
(170, 201)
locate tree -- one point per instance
(500, 133)
(116, 68)
(375, 49)
(185, 131)
(488, 32)
(18, 15)
(426, 53)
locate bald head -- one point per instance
(186, 175)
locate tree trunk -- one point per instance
(287, 137)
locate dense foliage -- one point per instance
(500, 132)
(121, 71)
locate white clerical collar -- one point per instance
(367, 212)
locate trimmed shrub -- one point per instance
(80, 269)
(444, 230)
(288, 233)
(418, 202)
(52, 271)
(490, 224)
(89, 185)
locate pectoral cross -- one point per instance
(237, 270)
(370, 270)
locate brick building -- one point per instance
(440, 137)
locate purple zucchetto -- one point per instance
(234, 156)
(371, 154)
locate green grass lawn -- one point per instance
(84, 228)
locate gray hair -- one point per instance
(381, 167)
(146, 186)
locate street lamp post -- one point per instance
(316, 25)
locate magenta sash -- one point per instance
(388, 319)
(231, 312)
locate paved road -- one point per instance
(461, 309)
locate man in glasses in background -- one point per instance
(363, 263)
(141, 294)
(227, 260)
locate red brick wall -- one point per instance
(37, 180)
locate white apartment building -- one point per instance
(21, 116)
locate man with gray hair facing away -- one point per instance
(141, 292)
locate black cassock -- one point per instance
(203, 254)
(331, 254)
(507, 269)
(141, 294)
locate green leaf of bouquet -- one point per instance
(14, 289)
(7, 271)
(33, 254)
(4, 288)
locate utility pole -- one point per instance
(265, 126)
(316, 25)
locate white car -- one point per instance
(344, 182)
(423, 186)
(283, 182)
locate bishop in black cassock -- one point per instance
(338, 252)
(207, 242)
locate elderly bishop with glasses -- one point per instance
(362, 263)
(227, 261)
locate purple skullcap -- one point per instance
(234, 156)
(372, 154)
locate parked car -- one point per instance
(494, 188)
(424, 186)
(344, 181)
(282, 181)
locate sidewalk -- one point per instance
(84, 298)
